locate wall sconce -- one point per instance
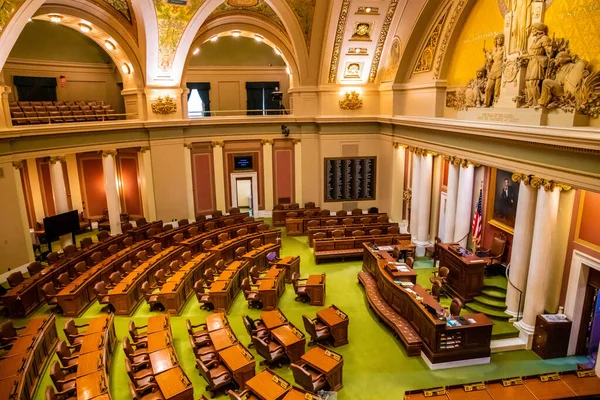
(164, 105)
(351, 101)
(109, 45)
(277, 51)
(126, 69)
(85, 28)
(56, 18)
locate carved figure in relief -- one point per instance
(564, 86)
(540, 50)
(521, 20)
(494, 65)
(475, 91)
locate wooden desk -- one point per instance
(91, 362)
(292, 339)
(194, 244)
(273, 319)
(315, 289)
(93, 342)
(294, 228)
(465, 280)
(373, 257)
(266, 388)
(163, 359)
(158, 323)
(222, 338)
(279, 276)
(159, 340)
(223, 292)
(585, 386)
(460, 394)
(92, 385)
(267, 293)
(499, 392)
(328, 363)
(258, 256)
(300, 394)
(337, 321)
(279, 215)
(240, 362)
(290, 264)
(549, 390)
(175, 385)
(216, 321)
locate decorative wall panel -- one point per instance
(261, 10)
(203, 180)
(283, 171)
(91, 181)
(129, 190)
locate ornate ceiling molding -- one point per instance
(381, 42)
(426, 58)
(122, 7)
(337, 43)
(261, 10)
(304, 11)
(8, 9)
(458, 9)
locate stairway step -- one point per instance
(478, 308)
(496, 282)
(494, 293)
(490, 302)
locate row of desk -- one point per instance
(22, 365)
(79, 293)
(299, 226)
(349, 229)
(441, 343)
(568, 385)
(226, 250)
(285, 333)
(95, 357)
(278, 216)
(170, 377)
(195, 243)
(27, 296)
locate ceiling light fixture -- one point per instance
(85, 28)
(214, 38)
(56, 18)
(29, 20)
(236, 33)
(196, 51)
(368, 9)
(258, 38)
(126, 68)
(109, 45)
(277, 51)
(287, 69)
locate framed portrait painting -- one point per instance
(504, 195)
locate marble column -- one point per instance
(298, 172)
(464, 203)
(17, 251)
(74, 188)
(521, 246)
(147, 183)
(219, 175)
(546, 213)
(451, 199)
(189, 187)
(397, 187)
(267, 147)
(414, 201)
(436, 194)
(112, 193)
(59, 191)
(424, 211)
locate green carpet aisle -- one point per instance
(375, 364)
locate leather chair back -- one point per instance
(331, 222)
(7, 330)
(174, 266)
(115, 277)
(263, 227)
(248, 219)
(63, 279)
(156, 248)
(262, 347)
(358, 232)
(348, 221)
(178, 238)
(50, 393)
(319, 235)
(183, 222)
(220, 265)
(436, 289)
(241, 232)
(444, 272)
(86, 242)
(70, 250)
(247, 325)
(100, 289)
(393, 230)
(294, 206)
(146, 290)
(498, 246)
(357, 211)
(410, 261)
(208, 275)
(365, 220)
(338, 233)
(313, 223)
(57, 375)
(223, 237)
(193, 231)
(256, 243)
(141, 256)
(96, 258)
(456, 306)
(52, 258)
(62, 351)
(151, 232)
(128, 241)
(81, 267)
(291, 214)
(49, 290)
(199, 289)
(126, 267)
(126, 227)
(382, 219)
(205, 373)
(229, 222)
(301, 375)
(160, 276)
(15, 278)
(207, 245)
(309, 204)
(167, 227)
(239, 252)
(200, 217)
(102, 235)
(186, 256)
(246, 286)
(341, 213)
(70, 330)
(254, 273)
(325, 213)
(375, 232)
(210, 225)
(234, 210)
(127, 348)
(141, 222)
(309, 326)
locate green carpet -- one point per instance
(375, 363)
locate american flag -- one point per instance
(477, 228)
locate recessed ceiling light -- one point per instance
(196, 51)
(29, 20)
(85, 28)
(277, 51)
(56, 18)
(214, 38)
(357, 51)
(126, 68)
(236, 33)
(258, 38)
(109, 45)
(287, 69)
(368, 9)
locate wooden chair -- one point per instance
(8, 332)
(318, 331)
(348, 221)
(241, 232)
(233, 210)
(393, 230)
(309, 204)
(496, 250)
(338, 233)
(216, 375)
(140, 377)
(86, 242)
(325, 213)
(15, 279)
(102, 235)
(300, 290)
(307, 377)
(341, 213)
(255, 328)
(223, 237)
(456, 306)
(193, 231)
(183, 222)
(272, 352)
(135, 355)
(149, 392)
(250, 295)
(68, 359)
(63, 382)
(72, 333)
(70, 250)
(358, 232)
(52, 258)
(102, 296)
(50, 394)
(255, 243)
(49, 292)
(150, 298)
(357, 211)
(134, 332)
(331, 222)
(203, 296)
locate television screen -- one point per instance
(61, 224)
(242, 162)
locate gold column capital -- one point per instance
(520, 177)
(296, 141)
(548, 185)
(144, 149)
(188, 145)
(217, 144)
(266, 141)
(106, 153)
(18, 164)
(398, 145)
(55, 159)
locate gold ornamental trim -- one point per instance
(352, 101)
(18, 165)
(548, 185)
(217, 144)
(188, 145)
(266, 141)
(164, 105)
(337, 43)
(106, 153)
(458, 9)
(381, 41)
(425, 61)
(518, 177)
(398, 145)
(55, 159)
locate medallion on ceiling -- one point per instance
(242, 3)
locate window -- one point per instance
(198, 99)
(260, 99)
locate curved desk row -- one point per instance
(299, 226)
(441, 343)
(194, 243)
(23, 364)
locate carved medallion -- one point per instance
(242, 3)
(362, 31)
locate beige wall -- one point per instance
(84, 81)
(15, 249)
(228, 84)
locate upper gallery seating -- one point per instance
(44, 112)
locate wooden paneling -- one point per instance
(91, 180)
(131, 199)
(283, 171)
(203, 179)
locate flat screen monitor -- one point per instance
(241, 163)
(61, 224)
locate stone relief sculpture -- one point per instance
(494, 66)
(539, 52)
(475, 93)
(561, 88)
(521, 20)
